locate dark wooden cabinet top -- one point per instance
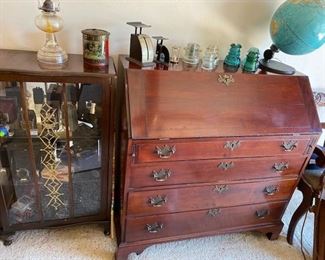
(184, 104)
(25, 62)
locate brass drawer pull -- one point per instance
(271, 190)
(232, 145)
(157, 201)
(161, 175)
(213, 212)
(221, 188)
(226, 79)
(280, 167)
(262, 213)
(154, 228)
(226, 165)
(166, 151)
(289, 146)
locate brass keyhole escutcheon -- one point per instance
(226, 79)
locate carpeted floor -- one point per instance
(88, 242)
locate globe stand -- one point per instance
(267, 64)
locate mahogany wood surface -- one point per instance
(272, 230)
(171, 107)
(25, 63)
(204, 171)
(197, 116)
(208, 196)
(206, 149)
(201, 221)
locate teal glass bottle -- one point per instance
(251, 61)
(233, 57)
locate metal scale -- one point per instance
(141, 47)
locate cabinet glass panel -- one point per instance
(84, 119)
(47, 102)
(19, 164)
(51, 146)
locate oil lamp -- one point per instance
(51, 55)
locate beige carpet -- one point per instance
(88, 242)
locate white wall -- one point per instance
(182, 21)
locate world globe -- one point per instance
(298, 26)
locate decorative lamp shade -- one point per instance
(298, 26)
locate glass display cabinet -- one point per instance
(56, 143)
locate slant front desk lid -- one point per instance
(182, 104)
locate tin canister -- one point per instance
(95, 47)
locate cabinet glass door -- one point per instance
(19, 164)
(51, 148)
(84, 120)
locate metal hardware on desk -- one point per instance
(166, 151)
(161, 175)
(271, 190)
(289, 146)
(213, 212)
(280, 167)
(154, 228)
(157, 201)
(226, 165)
(221, 188)
(261, 213)
(232, 145)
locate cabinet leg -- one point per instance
(272, 233)
(301, 210)
(7, 242)
(123, 252)
(7, 239)
(106, 229)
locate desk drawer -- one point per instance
(207, 196)
(159, 151)
(221, 219)
(204, 171)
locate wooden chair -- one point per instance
(311, 185)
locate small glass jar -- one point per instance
(192, 53)
(210, 58)
(174, 55)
